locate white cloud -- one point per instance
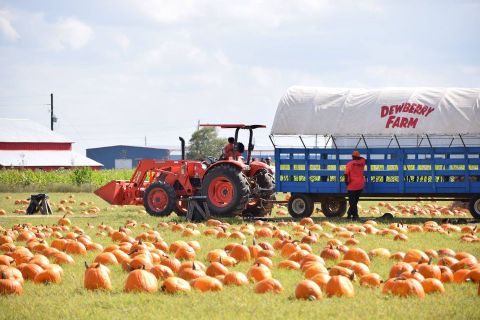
(70, 33)
(6, 27)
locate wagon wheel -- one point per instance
(226, 189)
(159, 199)
(300, 205)
(334, 207)
(474, 207)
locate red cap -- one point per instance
(356, 153)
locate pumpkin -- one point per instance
(289, 264)
(259, 272)
(429, 270)
(49, 275)
(372, 280)
(216, 269)
(161, 272)
(308, 290)
(75, 247)
(268, 285)
(339, 286)
(175, 285)
(240, 253)
(358, 255)
(235, 278)
(446, 274)
(9, 286)
(6, 260)
(460, 275)
(12, 273)
(172, 263)
(330, 253)
(403, 287)
(216, 254)
(141, 281)
(321, 279)
(106, 258)
(185, 253)
(315, 269)
(29, 270)
(190, 273)
(416, 255)
(474, 275)
(62, 258)
(207, 283)
(265, 261)
(432, 285)
(97, 276)
(399, 268)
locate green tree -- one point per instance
(205, 142)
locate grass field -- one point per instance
(69, 299)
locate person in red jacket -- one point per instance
(355, 181)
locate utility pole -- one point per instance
(51, 111)
(145, 141)
(198, 125)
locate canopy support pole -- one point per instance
(304, 146)
(396, 139)
(461, 139)
(271, 140)
(429, 142)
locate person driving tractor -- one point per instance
(355, 182)
(227, 151)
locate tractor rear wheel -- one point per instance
(159, 199)
(226, 189)
(334, 207)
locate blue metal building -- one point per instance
(125, 157)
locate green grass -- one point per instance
(69, 300)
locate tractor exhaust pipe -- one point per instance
(183, 147)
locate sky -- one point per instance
(123, 70)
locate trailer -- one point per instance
(419, 143)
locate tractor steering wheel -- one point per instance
(212, 159)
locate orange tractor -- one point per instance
(231, 185)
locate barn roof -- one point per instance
(27, 158)
(25, 130)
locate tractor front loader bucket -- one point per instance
(113, 192)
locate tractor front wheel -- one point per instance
(226, 189)
(159, 199)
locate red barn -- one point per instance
(29, 145)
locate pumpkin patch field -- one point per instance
(92, 260)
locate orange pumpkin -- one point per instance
(161, 272)
(175, 285)
(235, 278)
(215, 269)
(259, 272)
(321, 279)
(49, 275)
(308, 290)
(240, 253)
(268, 285)
(403, 287)
(371, 280)
(207, 283)
(29, 270)
(141, 281)
(106, 258)
(432, 285)
(97, 276)
(339, 286)
(9, 286)
(358, 255)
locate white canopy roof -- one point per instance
(388, 111)
(49, 158)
